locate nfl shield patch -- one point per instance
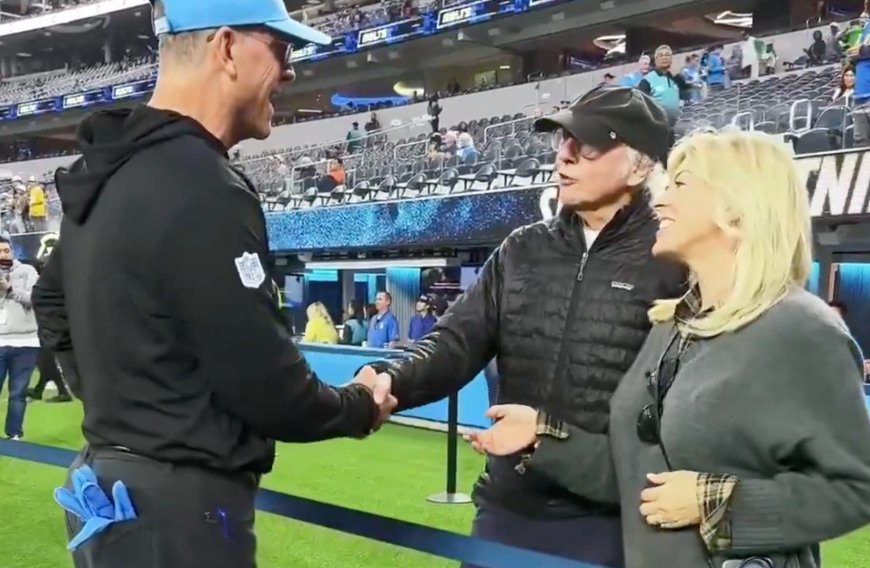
(250, 270)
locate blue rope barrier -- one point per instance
(483, 553)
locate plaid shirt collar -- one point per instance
(689, 307)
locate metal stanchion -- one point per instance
(450, 496)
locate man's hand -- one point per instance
(379, 385)
(4, 284)
(672, 502)
(515, 429)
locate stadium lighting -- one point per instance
(613, 44)
(733, 19)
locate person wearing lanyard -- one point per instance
(19, 344)
(383, 327)
(159, 300)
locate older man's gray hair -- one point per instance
(185, 48)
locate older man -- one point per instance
(160, 289)
(562, 305)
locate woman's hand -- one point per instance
(515, 429)
(672, 502)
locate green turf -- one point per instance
(389, 474)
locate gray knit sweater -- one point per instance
(778, 403)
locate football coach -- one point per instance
(158, 295)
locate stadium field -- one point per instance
(390, 474)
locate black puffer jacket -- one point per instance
(565, 323)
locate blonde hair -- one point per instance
(317, 310)
(758, 198)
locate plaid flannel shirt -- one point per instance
(713, 490)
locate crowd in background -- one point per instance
(28, 207)
(370, 325)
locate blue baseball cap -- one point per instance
(194, 15)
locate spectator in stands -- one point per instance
(716, 72)
(665, 88)
(788, 465)
(448, 143)
(354, 139)
(860, 53)
(832, 45)
(320, 328)
(632, 79)
(434, 145)
(334, 177)
(768, 59)
(19, 344)
(383, 326)
(373, 125)
(691, 73)
(562, 305)
(753, 50)
(851, 37)
(465, 149)
(353, 332)
(845, 90)
(422, 320)
(817, 51)
(609, 79)
(434, 112)
(735, 66)
(36, 205)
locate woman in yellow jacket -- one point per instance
(320, 328)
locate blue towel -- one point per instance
(89, 502)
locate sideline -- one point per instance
(437, 542)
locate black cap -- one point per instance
(426, 300)
(607, 116)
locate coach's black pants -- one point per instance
(187, 516)
(49, 372)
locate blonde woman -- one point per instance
(741, 430)
(320, 328)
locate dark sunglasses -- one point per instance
(658, 382)
(281, 50)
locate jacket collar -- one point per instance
(627, 220)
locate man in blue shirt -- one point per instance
(383, 328)
(423, 320)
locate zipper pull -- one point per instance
(582, 266)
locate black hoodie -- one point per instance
(159, 297)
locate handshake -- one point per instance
(379, 385)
